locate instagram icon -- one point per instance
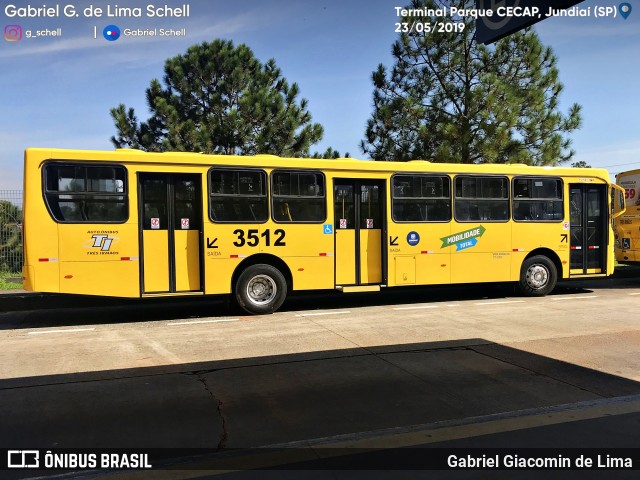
(13, 33)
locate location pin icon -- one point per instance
(624, 9)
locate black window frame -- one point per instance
(273, 195)
(506, 199)
(265, 179)
(536, 199)
(431, 175)
(46, 193)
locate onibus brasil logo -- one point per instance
(464, 240)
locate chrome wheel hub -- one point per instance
(261, 289)
(537, 276)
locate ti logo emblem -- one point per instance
(103, 242)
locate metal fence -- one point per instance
(10, 231)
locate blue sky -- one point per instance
(56, 92)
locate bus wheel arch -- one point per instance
(539, 272)
(260, 283)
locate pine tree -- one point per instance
(449, 99)
(218, 98)
(580, 164)
(329, 154)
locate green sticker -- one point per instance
(458, 238)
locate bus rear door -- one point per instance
(589, 229)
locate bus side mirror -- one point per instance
(618, 200)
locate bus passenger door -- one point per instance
(588, 243)
(359, 227)
(170, 227)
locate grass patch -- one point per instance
(5, 284)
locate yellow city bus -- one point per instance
(135, 224)
(627, 227)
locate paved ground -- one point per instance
(84, 372)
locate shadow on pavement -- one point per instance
(250, 402)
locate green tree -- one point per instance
(329, 153)
(10, 237)
(580, 164)
(449, 99)
(218, 98)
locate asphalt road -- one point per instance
(399, 368)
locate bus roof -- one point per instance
(133, 156)
(628, 173)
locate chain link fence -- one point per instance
(10, 231)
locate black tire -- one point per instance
(260, 289)
(538, 276)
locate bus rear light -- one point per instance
(47, 259)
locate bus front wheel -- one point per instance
(538, 276)
(260, 289)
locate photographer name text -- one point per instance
(91, 11)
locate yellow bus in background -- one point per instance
(627, 227)
(127, 223)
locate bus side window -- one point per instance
(238, 195)
(482, 198)
(86, 193)
(298, 196)
(421, 198)
(537, 199)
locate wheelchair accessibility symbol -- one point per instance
(328, 229)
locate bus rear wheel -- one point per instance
(260, 289)
(538, 276)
